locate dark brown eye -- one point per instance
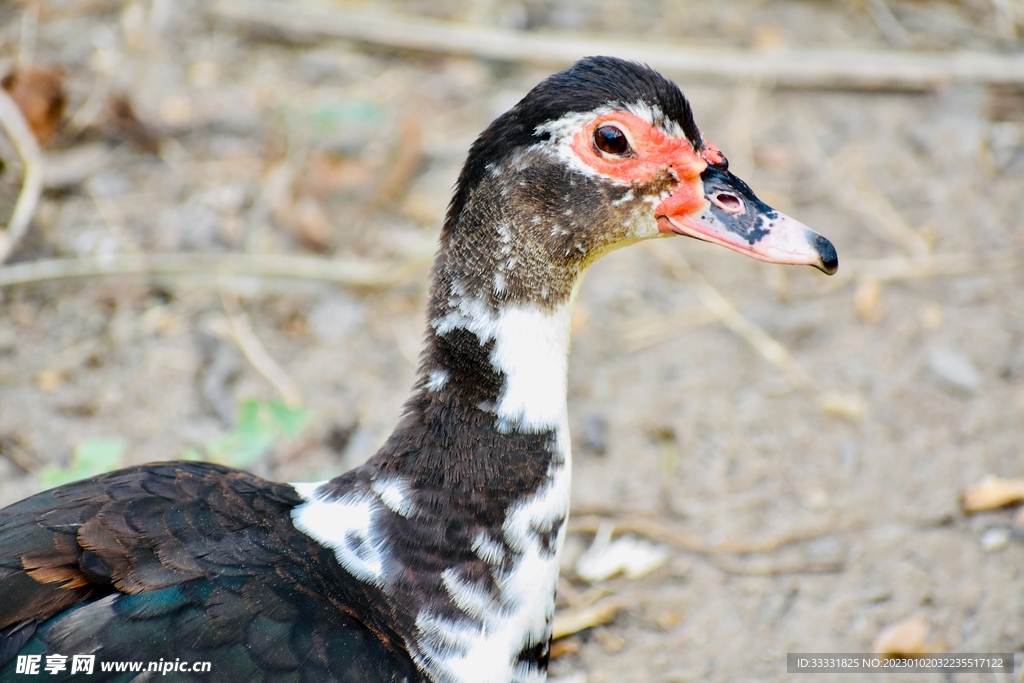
(611, 140)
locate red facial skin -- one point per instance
(652, 152)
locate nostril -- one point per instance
(728, 202)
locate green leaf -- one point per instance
(90, 457)
(289, 421)
(100, 455)
(259, 427)
(250, 420)
(191, 454)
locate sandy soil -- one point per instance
(246, 143)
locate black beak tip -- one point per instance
(826, 252)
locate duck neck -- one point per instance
(508, 361)
(488, 413)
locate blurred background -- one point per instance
(222, 215)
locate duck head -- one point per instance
(601, 155)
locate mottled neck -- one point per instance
(460, 516)
(509, 360)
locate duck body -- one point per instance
(436, 560)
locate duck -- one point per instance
(436, 560)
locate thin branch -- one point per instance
(352, 272)
(852, 187)
(723, 309)
(575, 620)
(684, 540)
(888, 24)
(835, 403)
(652, 330)
(240, 330)
(766, 568)
(29, 35)
(824, 68)
(14, 125)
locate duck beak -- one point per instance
(733, 216)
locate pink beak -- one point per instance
(734, 217)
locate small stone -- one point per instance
(335, 317)
(108, 184)
(593, 434)
(955, 369)
(995, 539)
(817, 499)
(932, 316)
(49, 379)
(876, 594)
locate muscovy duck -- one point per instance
(437, 560)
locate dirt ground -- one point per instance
(806, 507)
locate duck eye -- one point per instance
(611, 140)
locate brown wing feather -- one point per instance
(128, 531)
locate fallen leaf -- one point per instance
(573, 621)
(124, 124)
(667, 619)
(634, 557)
(49, 380)
(865, 300)
(907, 638)
(768, 37)
(848, 406)
(931, 316)
(992, 493)
(325, 174)
(566, 646)
(309, 224)
(39, 94)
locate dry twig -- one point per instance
(240, 330)
(648, 331)
(843, 405)
(352, 272)
(678, 538)
(14, 125)
(770, 568)
(830, 68)
(724, 310)
(852, 187)
(11, 449)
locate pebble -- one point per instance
(995, 539)
(593, 434)
(335, 317)
(955, 369)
